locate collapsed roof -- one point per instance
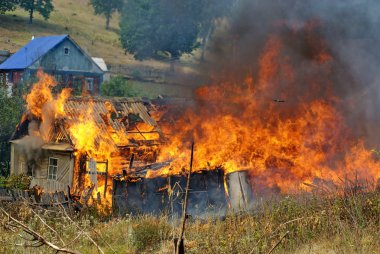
(112, 116)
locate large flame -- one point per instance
(282, 123)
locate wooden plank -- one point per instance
(63, 169)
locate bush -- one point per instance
(118, 86)
(21, 182)
(10, 114)
(3, 181)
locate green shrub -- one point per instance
(136, 74)
(21, 182)
(118, 86)
(3, 181)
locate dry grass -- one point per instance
(343, 224)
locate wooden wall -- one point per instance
(40, 172)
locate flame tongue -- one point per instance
(40, 94)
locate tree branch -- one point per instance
(37, 237)
(86, 234)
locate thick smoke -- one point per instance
(346, 29)
(292, 93)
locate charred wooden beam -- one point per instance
(165, 195)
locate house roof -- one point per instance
(31, 52)
(111, 117)
(101, 63)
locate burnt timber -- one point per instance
(165, 195)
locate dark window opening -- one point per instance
(66, 51)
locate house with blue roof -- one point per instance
(57, 55)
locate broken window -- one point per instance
(53, 167)
(67, 51)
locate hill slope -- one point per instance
(76, 18)
(73, 17)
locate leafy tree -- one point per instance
(119, 87)
(43, 7)
(8, 5)
(166, 27)
(10, 115)
(107, 8)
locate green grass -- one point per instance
(315, 224)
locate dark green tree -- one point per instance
(43, 7)
(8, 5)
(10, 115)
(107, 8)
(160, 27)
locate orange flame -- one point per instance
(40, 94)
(284, 137)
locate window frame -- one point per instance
(90, 83)
(52, 175)
(66, 49)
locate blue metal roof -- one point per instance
(31, 52)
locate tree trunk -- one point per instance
(108, 18)
(31, 11)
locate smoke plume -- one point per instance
(346, 30)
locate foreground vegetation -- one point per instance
(306, 223)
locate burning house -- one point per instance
(270, 123)
(80, 142)
(110, 147)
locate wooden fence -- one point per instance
(32, 198)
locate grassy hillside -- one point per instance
(76, 18)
